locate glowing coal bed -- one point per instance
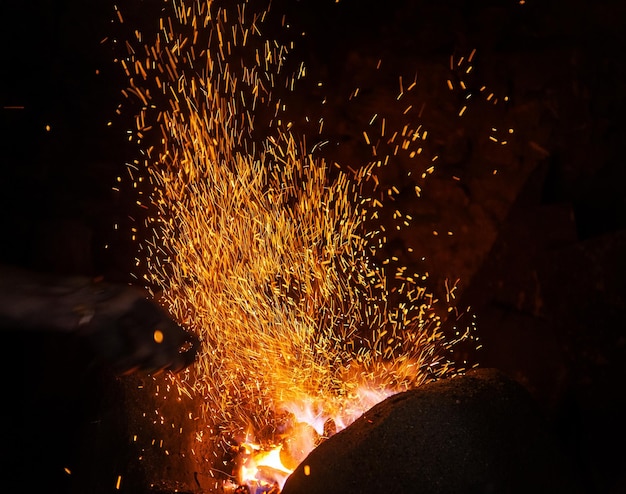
(265, 468)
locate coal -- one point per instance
(481, 432)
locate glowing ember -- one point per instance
(268, 467)
(262, 249)
(262, 469)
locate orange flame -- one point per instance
(267, 468)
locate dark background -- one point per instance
(539, 247)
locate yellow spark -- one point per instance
(257, 244)
(158, 336)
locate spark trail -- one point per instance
(262, 249)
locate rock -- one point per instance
(477, 433)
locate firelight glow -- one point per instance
(262, 248)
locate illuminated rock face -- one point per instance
(480, 433)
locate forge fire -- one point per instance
(269, 250)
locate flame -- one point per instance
(263, 468)
(270, 466)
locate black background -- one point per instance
(58, 208)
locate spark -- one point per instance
(263, 249)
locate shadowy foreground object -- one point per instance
(118, 324)
(478, 433)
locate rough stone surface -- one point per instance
(479, 433)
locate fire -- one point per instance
(267, 467)
(262, 247)
(262, 469)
